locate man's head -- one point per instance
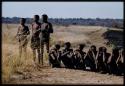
(104, 49)
(100, 49)
(81, 46)
(44, 18)
(67, 45)
(93, 48)
(22, 21)
(115, 50)
(36, 18)
(57, 46)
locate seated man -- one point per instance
(79, 57)
(112, 61)
(67, 56)
(54, 56)
(102, 58)
(90, 58)
(120, 62)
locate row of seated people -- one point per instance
(97, 61)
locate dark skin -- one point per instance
(35, 33)
(35, 25)
(91, 57)
(22, 33)
(66, 56)
(45, 18)
(22, 26)
(112, 61)
(120, 62)
(102, 58)
(78, 59)
(54, 56)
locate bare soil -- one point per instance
(48, 75)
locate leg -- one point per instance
(34, 55)
(47, 46)
(20, 50)
(41, 53)
(39, 59)
(25, 51)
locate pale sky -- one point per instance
(64, 9)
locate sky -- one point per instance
(64, 9)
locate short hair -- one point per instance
(100, 48)
(82, 45)
(36, 16)
(57, 46)
(23, 19)
(44, 15)
(93, 46)
(115, 50)
(104, 49)
(68, 44)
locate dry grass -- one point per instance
(12, 64)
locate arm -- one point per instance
(85, 56)
(17, 31)
(109, 59)
(63, 54)
(50, 28)
(52, 55)
(31, 29)
(103, 57)
(28, 31)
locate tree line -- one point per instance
(117, 23)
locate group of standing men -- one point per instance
(40, 35)
(97, 60)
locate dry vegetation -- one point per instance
(12, 65)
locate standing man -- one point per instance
(46, 29)
(35, 40)
(22, 33)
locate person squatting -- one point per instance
(97, 60)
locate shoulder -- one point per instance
(71, 50)
(39, 23)
(108, 54)
(26, 26)
(77, 50)
(52, 50)
(49, 23)
(19, 26)
(62, 50)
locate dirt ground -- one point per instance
(48, 75)
(28, 73)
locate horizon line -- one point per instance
(66, 18)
